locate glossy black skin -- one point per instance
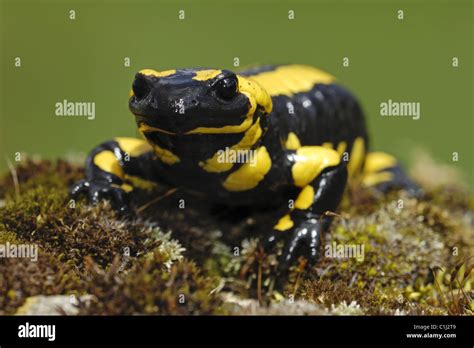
(200, 99)
(333, 115)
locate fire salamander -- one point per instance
(304, 135)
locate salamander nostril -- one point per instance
(140, 86)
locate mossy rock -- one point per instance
(203, 260)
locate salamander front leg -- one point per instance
(302, 228)
(107, 167)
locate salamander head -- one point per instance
(188, 102)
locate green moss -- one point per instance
(44, 214)
(20, 278)
(404, 241)
(416, 253)
(8, 237)
(147, 288)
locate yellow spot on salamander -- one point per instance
(305, 199)
(165, 156)
(285, 223)
(357, 157)
(376, 161)
(134, 147)
(376, 178)
(204, 75)
(292, 142)
(251, 137)
(256, 94)
(151, 72)
(213, 165)
(341, 147)
(310, 161)
(127, 187)
(107, 162)
(124, 186)
(291, 79)
(327, 145)
(226, 129)
(249, 175)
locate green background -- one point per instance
(83, 60)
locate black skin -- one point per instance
(306, 238)
(332, 116)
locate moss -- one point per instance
(335, 296)
(416, 252)
(8, 237)
(44, 214)
(20, 278)
(147, 288)
(405, 240)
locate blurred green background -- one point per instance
(83, 60)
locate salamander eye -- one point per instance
(226, 88)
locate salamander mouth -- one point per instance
(195, 121)
(145, 126)
(192, 146)
(146, 129)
